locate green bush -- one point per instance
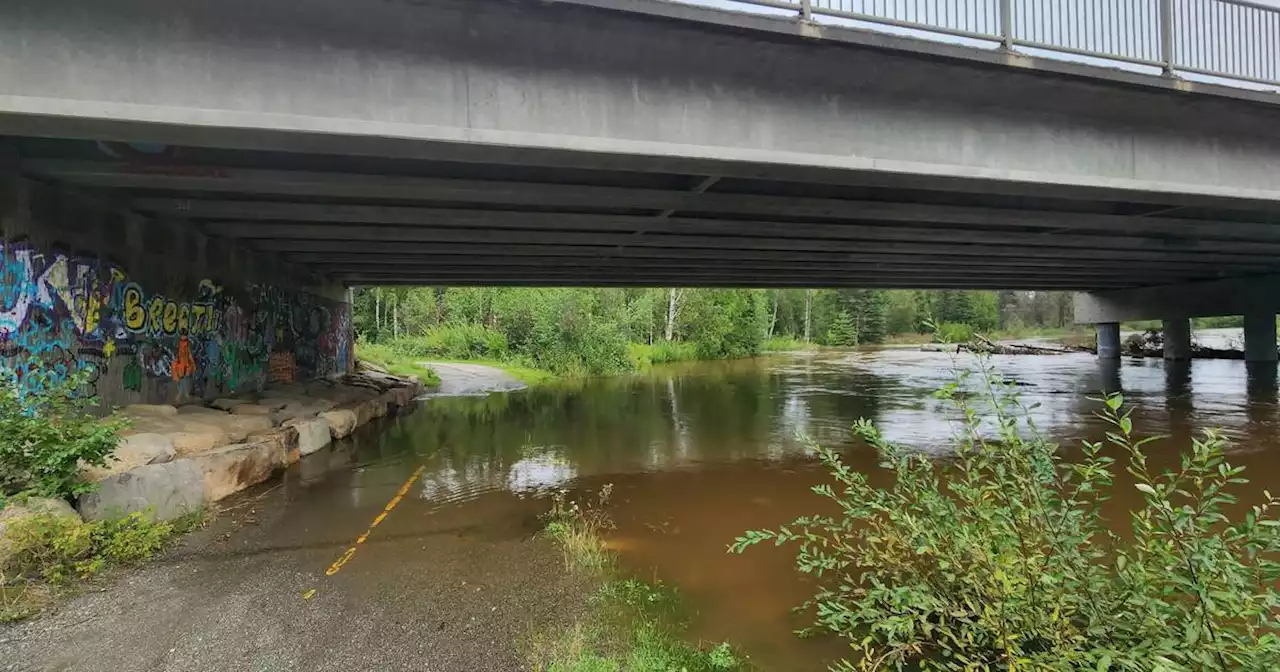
(953, 332)
(58, 549)
(1000, 558)
(47, 434)
(455, 341)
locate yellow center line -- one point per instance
(400, 494)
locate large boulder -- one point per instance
(162, 410)
(342, 422)
(197, 409)
(363, 366)
(368, 410)
(285, 438)
(237, 427)
(134, 451)
(230, 469)
(255, 409)
(313, 434)
(166, 490)
(196, 434)
(33, 506)
(302, 409)
(228, 404)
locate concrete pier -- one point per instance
(1177, 339)
(1260, 337)
(1109, 378)
(1108, 340)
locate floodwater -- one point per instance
(698, 453)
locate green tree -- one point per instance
(870, 311)
(842, 332)
(726, 323)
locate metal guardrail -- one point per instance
(1232, 39)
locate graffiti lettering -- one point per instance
(135, 316)
(60, 315)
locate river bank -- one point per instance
(274, 583)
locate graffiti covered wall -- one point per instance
(141, 342)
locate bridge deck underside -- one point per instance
(366, 220)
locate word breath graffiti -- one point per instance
(62, 314)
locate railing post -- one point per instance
(806, 10)
(1166, 36)
(1006, 25)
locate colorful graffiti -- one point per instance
(62, 314)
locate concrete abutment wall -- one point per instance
(86, 287)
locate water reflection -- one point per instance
(696, 416)
(700, 452)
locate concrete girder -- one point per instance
(899, 277)
(712, 234)
(428, 240)
(670, 281)
(690, 202)
(587, 262)
(538, 254)
(1232, 296)
(475, 221)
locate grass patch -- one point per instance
(634, 626)
(631, 625)
(396, 362)
(643, 356)
(787, 344)
(579, 528)
(46, 554)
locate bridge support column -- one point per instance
(1108, 340)
(1260, 337)
(1177, 339)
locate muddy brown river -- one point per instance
(700, 452)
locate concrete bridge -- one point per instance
(312, 146)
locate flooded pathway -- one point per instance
(454, 575)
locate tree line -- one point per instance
(605, 330)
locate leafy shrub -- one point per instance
(953, 332)
(60, 548)
(47, 433)
(1000, 558)
(454, 341)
